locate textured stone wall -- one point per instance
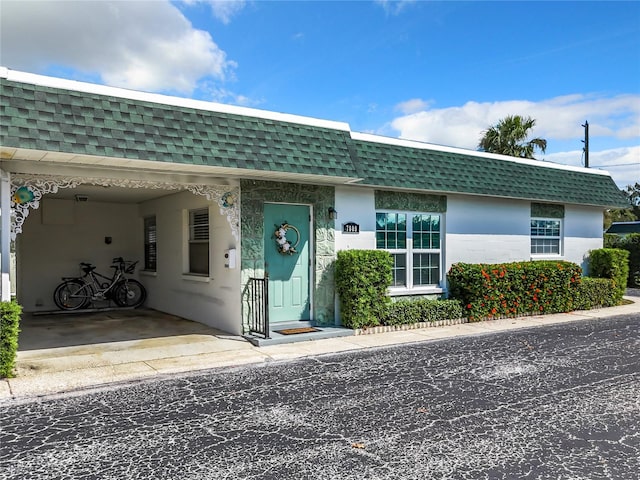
(254, 194)
(548, 210)
(410, 201)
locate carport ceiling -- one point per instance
(111, 194)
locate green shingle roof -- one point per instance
(441, 171)
(55, 119)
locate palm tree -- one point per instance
(508, 137)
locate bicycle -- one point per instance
(75, 293)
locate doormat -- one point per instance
(295, 331)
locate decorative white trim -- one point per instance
(41, 185)
(38, 185)
(220, 194)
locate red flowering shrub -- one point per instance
(514, 289)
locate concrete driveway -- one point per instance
(62, 342)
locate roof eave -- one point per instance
(486, 195)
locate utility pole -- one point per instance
(586, 144)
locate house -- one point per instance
(211, 199)
(624, 228)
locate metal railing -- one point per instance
(259, 306)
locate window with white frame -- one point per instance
(199, 241)
(414, 241)
(150, 247)
(546, 236)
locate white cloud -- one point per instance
(558, 118)
(211, 91)
(622, 163)
(412, 106)
(134, 44)
(223, 10)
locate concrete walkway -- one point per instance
(46, 371)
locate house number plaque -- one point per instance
(350, 227)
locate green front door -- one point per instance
(286, 254)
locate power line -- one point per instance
(615, 165)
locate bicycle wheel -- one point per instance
(130, 293)
(72, 295)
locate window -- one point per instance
(150, 248)
(391, 234)
(426, 249)
(414, 241)
(545, 236)
(199, 241)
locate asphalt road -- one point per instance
(559, 402)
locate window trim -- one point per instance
(191, 241)
(559, 237)
(147, 242)
(409, 251)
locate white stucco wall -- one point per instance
(486, 230)
(215, 300)
(477, 229)
(583, 229)
(355, 205)
(61, 234)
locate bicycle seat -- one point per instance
(87, 267)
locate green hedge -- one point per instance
(514, 289)
(362, 280)
(611, 263)
(630, 243)
(595, 293)
(9, 329)
(421, 310)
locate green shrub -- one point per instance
(630, 243)
(9, 329)
(513, 289)
(611, 263)
(362, 280)
(612, 240)
(595, 293)
(421, 310)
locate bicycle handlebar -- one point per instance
(117, 262)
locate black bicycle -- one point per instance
(75, 293)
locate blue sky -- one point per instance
(439, 72)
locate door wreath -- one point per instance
(285, 246)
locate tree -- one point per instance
(630, 214)
(508, 137)
(633, 193)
